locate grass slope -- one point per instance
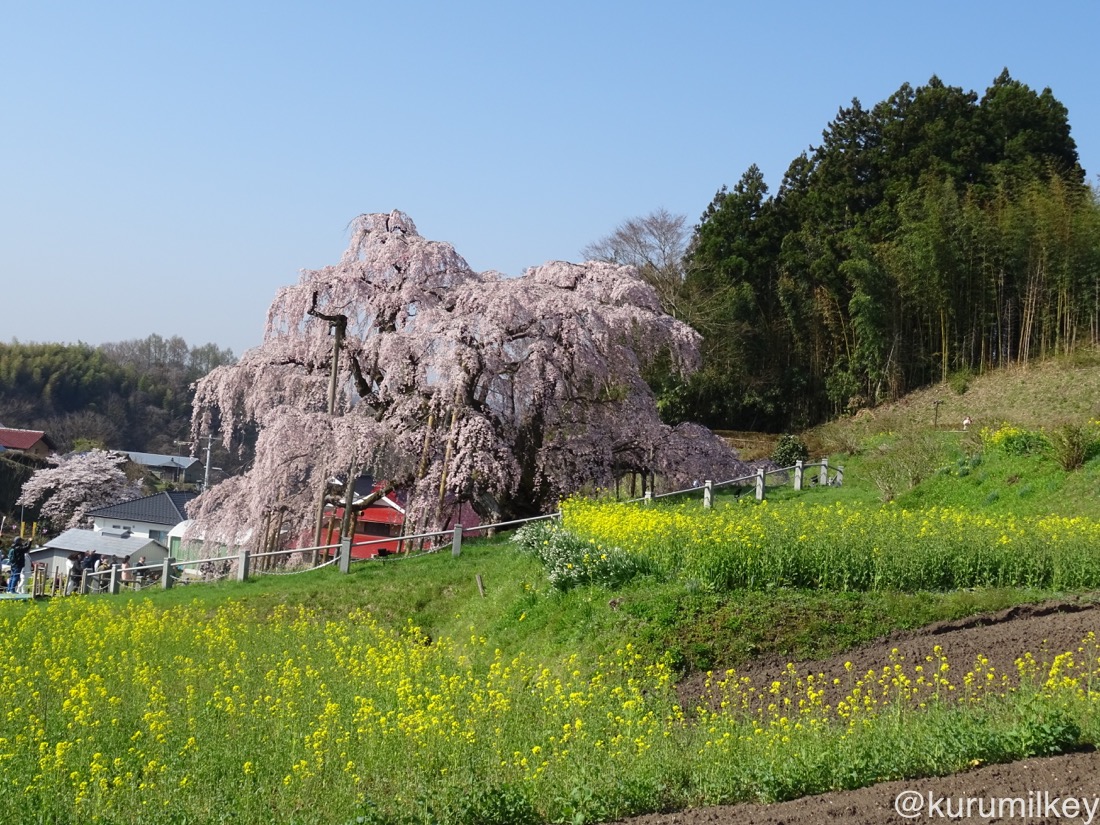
(521, 618)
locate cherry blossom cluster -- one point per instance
(458, 386)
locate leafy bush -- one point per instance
(1072, 445)
(901, 464)
(571, 560)
(789, 450)
(959, 381)
(1013, 440)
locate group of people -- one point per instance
(93, 562)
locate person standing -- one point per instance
(76, 573)
(17, 558)
(102, 569)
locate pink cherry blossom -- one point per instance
(507, 393)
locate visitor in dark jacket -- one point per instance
(17, 558)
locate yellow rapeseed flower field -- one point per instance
(123, 712)
(844, 546)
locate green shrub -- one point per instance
(789, 450)
(1013, 440)
(571, 561)
(1072, 445)
(959, 381)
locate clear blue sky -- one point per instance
(168, 166)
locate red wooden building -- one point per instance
(380, 525)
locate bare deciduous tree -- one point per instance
(655, 244)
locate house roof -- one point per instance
(23, 439)
(106, 544)
(158, 460)
(160, 508)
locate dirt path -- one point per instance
(1038, 781)
(1042, 630)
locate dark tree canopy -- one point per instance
(936, 231)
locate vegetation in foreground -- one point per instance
(550, 699)
(127, 711)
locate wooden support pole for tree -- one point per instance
(338, 325)
(422, 470)
(345, 555)
(319, 529)
(348, 520)
(447, 457)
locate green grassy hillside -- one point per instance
(400, 694)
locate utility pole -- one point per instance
(206, 471)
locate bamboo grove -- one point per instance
(933, 234)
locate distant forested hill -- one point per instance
(133, 395)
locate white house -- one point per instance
(150, 517)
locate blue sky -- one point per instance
(166, 167)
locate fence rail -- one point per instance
(170, 571)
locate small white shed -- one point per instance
(55, 553)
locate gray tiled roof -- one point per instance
(80, 541)
(159, 508)
(159, 460)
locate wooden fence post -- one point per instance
(166, 573)
(83, 589)
(798, 475)
(112, 586)
(708, 494)
(345, 555)
(242, 566)
(648, 497)
(824, 479)
(456, 542)
(759, 483)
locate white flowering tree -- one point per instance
(77, 483)
(507, 393)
